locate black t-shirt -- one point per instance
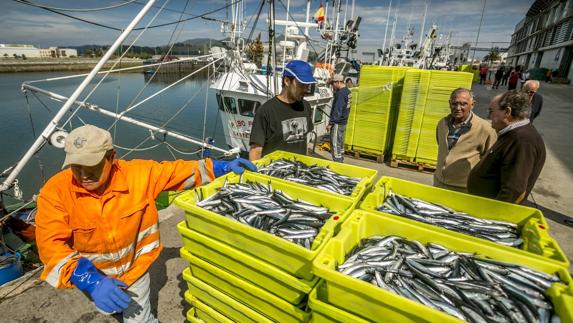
(282, 126)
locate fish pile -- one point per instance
(272, 211)
(504, 233)
(460, 284)
(315, 176)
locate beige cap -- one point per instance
(338, 78)
(87, 146)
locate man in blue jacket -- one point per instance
(338, 117)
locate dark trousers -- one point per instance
(482, 78)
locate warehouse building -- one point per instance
(544, 38)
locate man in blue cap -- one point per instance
(283, 122)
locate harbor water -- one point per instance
(23, 116)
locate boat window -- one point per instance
(226, 104)
(318, 114)
(248, 108)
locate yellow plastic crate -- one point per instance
(326, 313)
(279, 252)
(221, 302)
(374, 303)
(367, 175)
(201, 312)
(243, 291)
(534, 229)
(247, 267)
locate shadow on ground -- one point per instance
(158, 275)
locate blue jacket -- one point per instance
(340, 107)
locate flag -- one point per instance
(319, 15)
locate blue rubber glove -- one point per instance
(222, 167)
(104, 291)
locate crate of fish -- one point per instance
(245, 266)
(348, 180)
(520, 228)
(283, 224)
(243, 291)
(387, 270)
(325, 313)
(219, 301)
(201, 312)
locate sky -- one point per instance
(24, 24)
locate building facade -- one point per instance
(30, 51)
(544, 38)
(18, 50)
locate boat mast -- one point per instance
(286, 33)
(386, 32)
(423, 24)
(66, 107)
(479, 29)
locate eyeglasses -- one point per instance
(530, 92)
(456, 104)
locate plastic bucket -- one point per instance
(11, 269)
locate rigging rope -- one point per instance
(119, 29)
(126, 2)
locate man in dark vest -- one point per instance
(510, 169)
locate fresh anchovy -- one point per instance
(263, 208)
(316, 176)
(463, 285)
(504, 233)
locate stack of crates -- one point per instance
(410, 114)
(375, 111)
(349, 132)
(341, 298)
(239, 273)
(424, 102)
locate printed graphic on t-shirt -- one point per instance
(294, 129)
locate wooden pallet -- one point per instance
(405, 164)
(365, 156)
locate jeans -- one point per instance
(139, 311)
(337, 141)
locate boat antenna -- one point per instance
(423, 23)
(387, 22)
(272, 58)
(479, 29)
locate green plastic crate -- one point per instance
(534, 229)
(325, 313)
(373, 303)
(367, 175)
(221, 302)
(249, 294)
(256, 271)
(201, 312)
(279, 252)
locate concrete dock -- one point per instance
(29, 300)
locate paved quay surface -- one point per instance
(40, 302)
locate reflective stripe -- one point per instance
(114, 256)
(119, 270)
(54, 275)
(189, 182)
(204, 172)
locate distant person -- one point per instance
(510, 169)
(338, 117)
(284, 122)
(483, 74)
(524, 78)
(548, 76)
(463, 139)
(514, 78)
(349, 83)
(531, 87)
(498, 76)
(506, 75)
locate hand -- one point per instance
(104, 291)
(222, 167)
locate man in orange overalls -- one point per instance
(97, 224)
